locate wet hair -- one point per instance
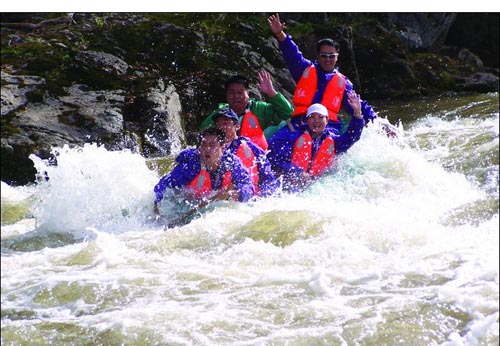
(213, 131)
(236, 79)
(327, 42)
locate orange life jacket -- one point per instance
(250, 127)
(201, 185)
(307, 87)
(247, 157)
(322, 160)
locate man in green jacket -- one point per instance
(259, 120)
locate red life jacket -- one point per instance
(247, 158)
(201, 185)
(250, 127)
(322, 160)
(307, 87)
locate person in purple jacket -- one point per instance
(301, 154)
(251, 155)
(318, 81)
(208, 173)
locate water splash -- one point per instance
(386, 250)
(91, 186)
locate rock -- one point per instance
(410, 39)
(478, 32)
(105, 62)
(99, 111)
(425, 30)
(15, 90)
(145, 81)
(479, 82)
(470, 58)
(164, 132)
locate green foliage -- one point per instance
(301, 29)
(49, 59)
(447, 80)
(100, 22)
(6, 128)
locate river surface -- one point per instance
(399, 246)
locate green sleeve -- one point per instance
(272, 112)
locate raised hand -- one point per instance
(275, 24)
(355, 103)
(265, 84)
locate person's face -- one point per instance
(210, 151)
(229, 127)
(327, 58)
(237, 97)
(316, 124)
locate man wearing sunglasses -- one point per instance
(318, 81)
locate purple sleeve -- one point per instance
(293, 57)
(368, 113)
(188, 166)
(268, 183)
(241, 179)
(280, 151)
(351, 136)
(297, 64)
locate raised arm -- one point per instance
(277, 27)
(265, 84)
(276, 108)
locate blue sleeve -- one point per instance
(368, 113)
(240, 178)
(268, 183)
(280, 150)
(188, 166)
(293, 57)
(351, 136)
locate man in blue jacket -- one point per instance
(318, 81)
(208, 173)
(301, 154)
(252, 156)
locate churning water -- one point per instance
(399, 246)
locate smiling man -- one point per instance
(318, 81)
(258, 119)
(301, 154)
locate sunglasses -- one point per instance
(331, 56)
